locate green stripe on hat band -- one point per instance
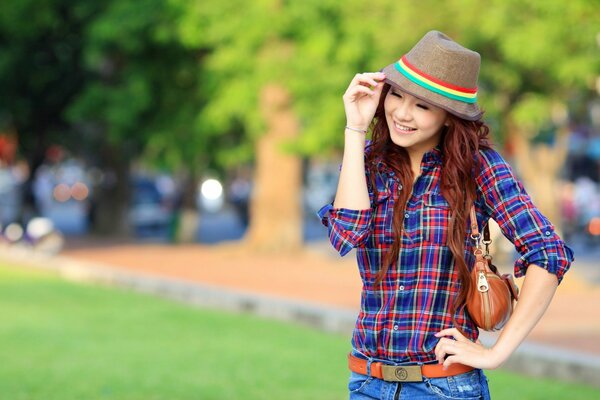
(426, 85)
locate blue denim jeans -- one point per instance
(471, 385)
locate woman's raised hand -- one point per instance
(361, 99)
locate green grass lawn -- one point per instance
(60, 340)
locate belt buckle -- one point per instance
(402, 373)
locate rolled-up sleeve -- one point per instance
(347, 228)
(519, 219)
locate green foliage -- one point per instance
(531, 112)
(180, 81)
(146, 87)
(40, 70)
(535, 54)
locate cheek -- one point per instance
(433, 123)
(387, 104)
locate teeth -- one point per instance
(403, 128)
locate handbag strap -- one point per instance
(480, 263)
(474, 227)
(475, 235)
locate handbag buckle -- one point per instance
(477, 239)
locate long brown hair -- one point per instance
(460, 144)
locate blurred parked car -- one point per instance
(150, 211)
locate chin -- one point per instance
(402, 140)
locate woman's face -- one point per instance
(413, 123)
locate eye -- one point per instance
(396, 94)
(423, 106)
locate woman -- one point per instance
(428, 162)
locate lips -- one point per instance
(403, 128)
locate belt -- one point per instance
(405, 373)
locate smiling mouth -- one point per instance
(403, 128)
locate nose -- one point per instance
(402, 111)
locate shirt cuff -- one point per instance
(556, 258)
(347, 228)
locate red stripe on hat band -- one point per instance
(436, 80)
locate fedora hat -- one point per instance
(441, 72)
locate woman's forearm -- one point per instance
(352, 192)
(536, 294)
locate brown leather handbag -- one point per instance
(491, 298)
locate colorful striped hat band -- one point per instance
(466, 95)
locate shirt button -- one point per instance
(548, 233)
(395, 327)
(407, 215)
(401, 287)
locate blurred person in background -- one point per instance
(240, 190)
(13, 175)
(403, 203)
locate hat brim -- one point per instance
(468, 111)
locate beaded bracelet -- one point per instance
(356, 130)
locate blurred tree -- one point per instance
(279, 69)
(537, 57)
(40, 73)
(197, 85)
(540, 64)
(146, 92)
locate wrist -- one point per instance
(355, 129)
(354, 141)
(497, 357)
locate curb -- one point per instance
(530, 358)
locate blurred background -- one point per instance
(192, 121)
(131, 127)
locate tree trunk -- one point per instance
(111, 203)
(275, 205)
(186, 212)
(539, 167)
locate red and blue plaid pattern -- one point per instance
(399, 317)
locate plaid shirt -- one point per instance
(399, 317)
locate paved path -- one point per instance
(321, 277)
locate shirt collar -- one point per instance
(433, 156)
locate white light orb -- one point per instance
(211, 189)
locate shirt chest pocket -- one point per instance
(435, 219)
(383, 219)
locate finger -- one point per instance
(453, 332)
(378, 88)
(368, 82)
(451, 360)
(357, 79)
(439, 353)
(443, 348)
(370, 79)
(378, 76)
(371, 74)
(352, 92)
